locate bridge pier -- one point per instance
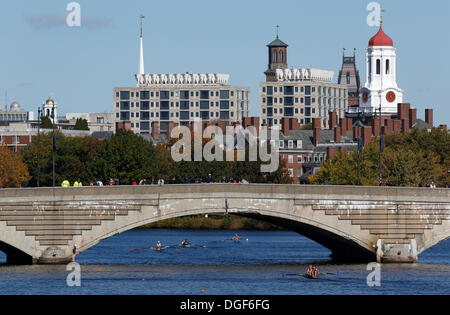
(397, 253)
(56, 256)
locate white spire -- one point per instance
(141, 57)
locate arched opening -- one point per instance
(343, 248)
(378, 66)
(13, 256)
(388, 68)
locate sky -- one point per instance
(80, 66)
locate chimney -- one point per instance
(412, 117)
(316, 131)
(155, 131)
(337, 134)
(356, 132)
(366, 134)
(172, 126)
(331, 153)
(124, 125)
(403, 111)
(343, 125)
(388, 127)
(349, 123)
(405, 126)
(429, 117)
(397, 125)
(285, 126)
(332, 120)
(376, 127)
(288, 125)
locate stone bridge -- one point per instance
(53, 225)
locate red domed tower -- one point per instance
(381, 88)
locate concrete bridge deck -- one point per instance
(53, 225)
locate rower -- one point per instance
(315, 273)
(185, 243)
(236, 238)
(309, 272)
(158, 246)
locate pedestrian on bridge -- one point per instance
(65, 184)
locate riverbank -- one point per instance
(221, 223)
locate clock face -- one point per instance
(365, 97)
(390, 96)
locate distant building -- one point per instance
(177, 98)
(14, 114)
(349, 76)
(97, 122)
(380, 91)
(302, 94)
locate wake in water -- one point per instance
(190, 245)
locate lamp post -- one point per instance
(381, 151)
(54, 143)
(360, 149)
(39, 148)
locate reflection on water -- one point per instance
(128, 264)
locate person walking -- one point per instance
(78, 183)
(65, 184)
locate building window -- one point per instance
(387, 67)
(124, 95)
(291, 144)
(290, 159)
(378, 66)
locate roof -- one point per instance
(422, 125)
(277, 43)
(326, 139)
(381, 39)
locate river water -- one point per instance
(124, 264)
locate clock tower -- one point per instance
(381, 84)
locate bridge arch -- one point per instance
(345, 244)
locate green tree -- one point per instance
(81, 124)
(126, 156)
(70, 158)
(46, 123)
(415, 159)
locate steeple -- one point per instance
(277, 57)
(141, 57)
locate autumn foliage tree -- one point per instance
(71, 156)
(412, 160)
(13, 172)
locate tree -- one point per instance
(81, 124)
(13, 172)
(46, 123)
(238, 170)
(71, 156)
(126, 156)
(415, 159)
